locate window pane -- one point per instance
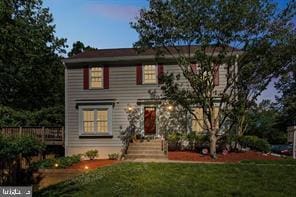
(102, 121)
(88, 121)
(149, 74)
(96, 77)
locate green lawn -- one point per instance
(159, 179)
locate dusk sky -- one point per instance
(104, 23)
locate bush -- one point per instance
(255, 143)
(61, 162)
(91, 154)
(113, 156)
(174, 141)
(190, 141)
(13, 149)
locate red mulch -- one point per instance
(92, 164)
(228, 158)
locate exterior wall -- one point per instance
(123, 88)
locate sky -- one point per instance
(106, 24)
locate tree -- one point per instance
(287, 87)
(79, 47)
(31, 72)
(218, 28)
(264, 121)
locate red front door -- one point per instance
(150, 120)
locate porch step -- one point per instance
(154, 142)
(146, 156)
(146, 150)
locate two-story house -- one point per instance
(100, 84)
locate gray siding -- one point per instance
(122, 80)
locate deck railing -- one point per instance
(47, 135)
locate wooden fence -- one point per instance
(47, 135)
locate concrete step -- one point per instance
(147, 143)
(143, 148)
(146, 156)
(144, 151)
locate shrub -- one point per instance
(62, 162)
(113, 156)
(174, 140)
(13, 149)
(91, 154)
(255, 143)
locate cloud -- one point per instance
(115, 11)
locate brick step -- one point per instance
(144, 152)
(146, 156)
(145, 145)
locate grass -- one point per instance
(285, 161)
(169, 179)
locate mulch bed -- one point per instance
(92, 164)
(233, 157)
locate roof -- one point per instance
(121, 54)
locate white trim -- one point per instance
(95, 107)
(66, 112)
(156, 119)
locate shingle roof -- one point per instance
(126, 52)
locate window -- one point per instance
(88, 121)
(102, 121)
(96, 79)
(197, 125)
(149, 74)
(95, 120)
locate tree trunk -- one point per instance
(213, 142)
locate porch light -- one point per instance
(130, 109)
(56, 165)
(170, 107)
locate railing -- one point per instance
(47, 135)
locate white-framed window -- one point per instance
(149, 74)
(95, 120)
(96, 77)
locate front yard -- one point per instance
(169, 179)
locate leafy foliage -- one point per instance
(31, 73)
(52, 116)
(172, 118)
(265, 121)
(13, 149)
(262, 34)
(61, 162)
(79, 47)
(134, 116)
(187, 141)
(113, 156)
(287, 86)
(91, 154)
(255, 143)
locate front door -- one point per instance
(150, 120)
